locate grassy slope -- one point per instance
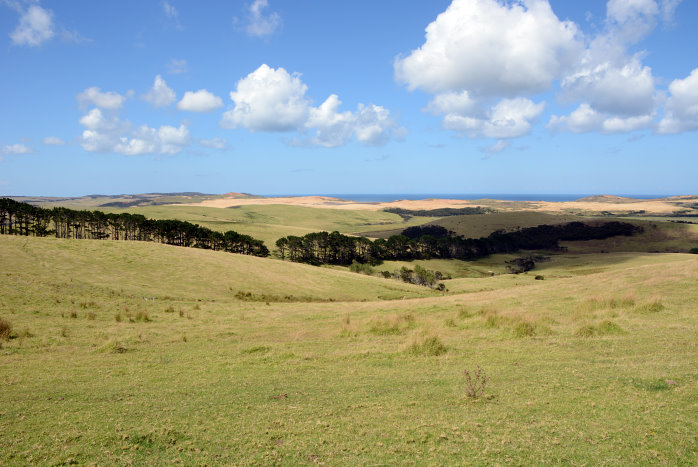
(245, 382)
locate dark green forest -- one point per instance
(426, 242)
(25, 219)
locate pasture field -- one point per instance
(128, 353)
(271, 222)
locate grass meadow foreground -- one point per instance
(129, 353)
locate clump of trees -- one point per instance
(419, 276)
(18, 218)
(436, 242)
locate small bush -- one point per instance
(169, 309)
(464, 313)
(585, 331)
(361, 268)
(5, 329)
(540, 278)
(73, 314)
(427, 345)
(386, 274)
(693, 251)
(142, 316)
(524, 329)
(475, 383)
(652, 307)
(608, 327)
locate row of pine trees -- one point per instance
(17, 218)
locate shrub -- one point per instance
(585, 331)
(652, 307)
(608, 327)
(73, 314)
(5, 329)
(386, 274)
(475, 383)
(427, 345)
(540, 278)
(142, 316)
(169, 309)
(524, 329)
(693, 251)
(361, 268)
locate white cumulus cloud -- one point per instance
(103, 100)
(199, 101)
(274, 100)
(35, 27)
(491, 48)
(110, 134)
(268, 100)
(160, 95)
(510, 118)
(681, 109)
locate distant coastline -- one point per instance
(390, 197)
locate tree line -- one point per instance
(17, 218)
(437, 242)
(440, 212)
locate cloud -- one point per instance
(16, 149)
(510, 118)
(215, 143)
(268, 100)
(484, 62)
(496, 148)
(681, 109)
(53, 141)
(103, 100)
(491, 49)
(160, 95)
(259, 23)
(586, 119)
(177, 66)
(199, 101)
(273, 100)
(172, 14)
(110, 134)
(35, 27)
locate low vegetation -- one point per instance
(202, 357)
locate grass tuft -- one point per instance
(524, 329)
(653, 306)
(427, 345)
(5, 329)
(585, 331)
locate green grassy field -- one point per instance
(271, 222)
(138, 353)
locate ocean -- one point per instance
(388, 197)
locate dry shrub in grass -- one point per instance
(5, 329)
(169, 309)
(181, 313)
(475, 383)
(464, 312)
(142, 316)
(524, 329)
(585, 331)
(73, 314)
(393, 326)
(608, 327)
(653, 306)
(428, 345)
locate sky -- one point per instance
(317, 97)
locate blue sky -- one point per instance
(301, 96)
